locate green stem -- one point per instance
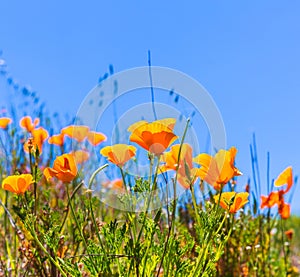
(269, 240)
(5, 216)
(91, 206)
(93, 176)
(195, 205)
(123, 179)
(79, 229)
(205, 249)
(215, 209)
(154, 186)
(283, 246)
(262, 243)
(35, 184)
(147, 250)
(221, 225)
(172, 229)
(225, 240)
(147, 205)
(34, 179)
(68, 204)
(129, 217)
(54, 261)
(97, 230)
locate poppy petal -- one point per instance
(95, 138)
(285, 177)
(4, 122)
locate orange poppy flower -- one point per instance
(118, 154)
(285, 177)
(77, 132)
(64, 168)
(57, 139)
(169, 122)
(289, 234)
(184, 165)
(26, 123)
(61, 251)
(272, 199)
(116, 184)
(284, 210)
(277, 197)
(137, 124)
(244, 270)
(155, 137)
(4, 122)
(232, 201)
(17, 183)
(171, 158)
(218, 170)
(186, 181)
(81, 156)
(95, 138)
(39, 136)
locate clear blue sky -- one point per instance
(245, 53)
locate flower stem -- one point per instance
(79, 229)
(283, 245)
(68, 204)
(30, 227)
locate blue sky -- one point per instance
(245, 53)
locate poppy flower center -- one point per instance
(66, 164)
(157, 148)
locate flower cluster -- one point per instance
(38, 135)
(155, 137)
(55, 214)
(65, 166)
(277, 197)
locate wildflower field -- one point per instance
(59, 216)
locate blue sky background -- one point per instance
(245, 53)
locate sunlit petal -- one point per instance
(64, 168)
(4, 122)
(285, 177)
(218, 170)
(81, 156)
(57, 139)
(232, 201)
(118, 154)
(17, 183)
(95, 138)
(155, 137)
(77, 132)
(27, 124)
